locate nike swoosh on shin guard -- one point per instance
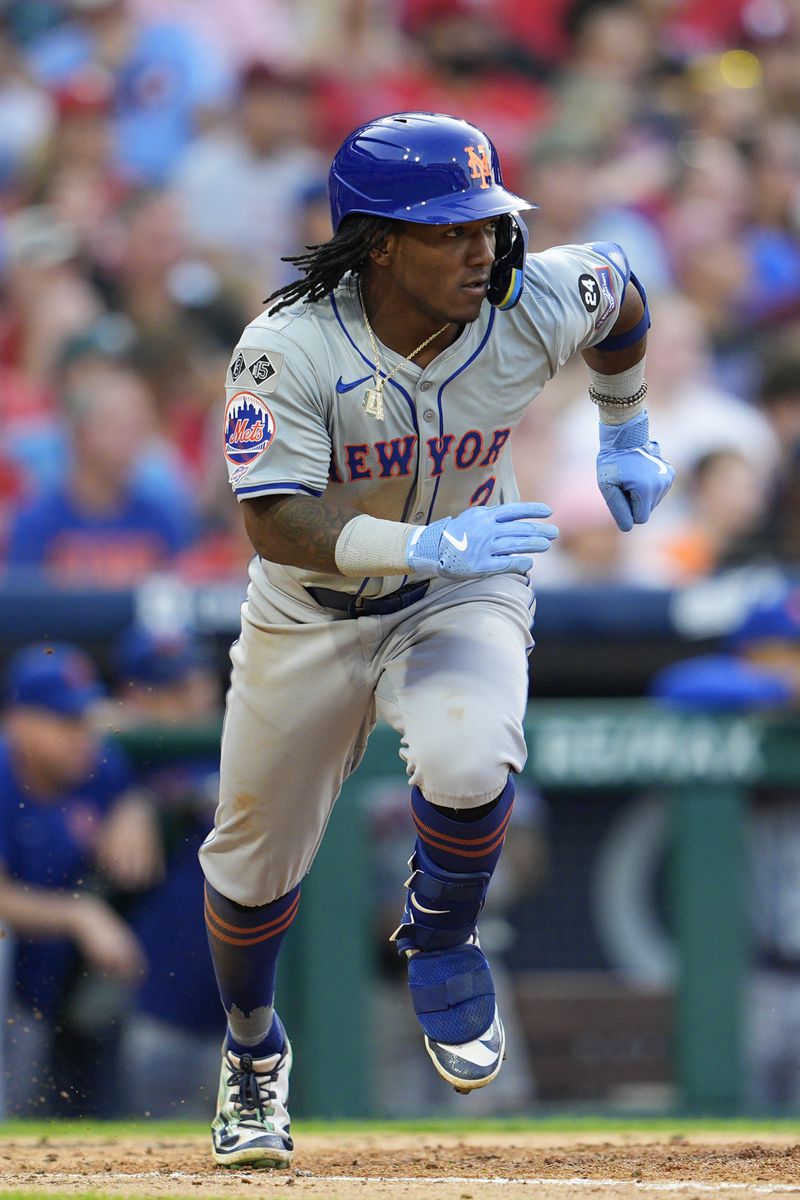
(438, 912)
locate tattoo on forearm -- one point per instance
(305, 531)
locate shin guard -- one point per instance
(451, 984)
(442, 907)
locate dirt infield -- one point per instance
(446, 1167)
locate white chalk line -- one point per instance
(677, 1185)
(582, 1181)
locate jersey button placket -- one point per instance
(423, 491)
(429, 414)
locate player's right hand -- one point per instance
(482, 541)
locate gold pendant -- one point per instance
(373, 403)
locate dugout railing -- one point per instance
(707, 763)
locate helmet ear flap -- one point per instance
(505, 281)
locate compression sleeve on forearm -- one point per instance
(371, 546)
(619, 397)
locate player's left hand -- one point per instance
(631, 474)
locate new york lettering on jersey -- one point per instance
(402, 457)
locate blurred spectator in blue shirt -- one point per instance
(277, 31)
(759, 667)
(73, 832)
(255, 170)
(165, 79)
(98, 527)
(772, 238)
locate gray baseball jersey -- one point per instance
(295, 422)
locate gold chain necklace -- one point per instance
(372, 402)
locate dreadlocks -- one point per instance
(324, 266)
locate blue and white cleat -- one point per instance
(470, 1065)
(453, 996)
(251, 1127)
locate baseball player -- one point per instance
(367, 427)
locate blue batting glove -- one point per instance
(481, 541)
(631, 474)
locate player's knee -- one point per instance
(463, 779)
(249, 889)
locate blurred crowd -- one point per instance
(158, 158)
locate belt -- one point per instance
(364, 606)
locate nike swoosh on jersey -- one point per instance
(460, 544)
(342, 387)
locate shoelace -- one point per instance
(253, 1090)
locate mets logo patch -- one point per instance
(249, 430)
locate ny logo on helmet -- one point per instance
(479, 165)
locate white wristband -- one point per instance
(370, 546)
(619, 397)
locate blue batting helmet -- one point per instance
(435, 170)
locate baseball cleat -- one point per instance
(251, 1127)
(453, 996)
(470, 1065)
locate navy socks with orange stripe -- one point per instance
(245, 943)
(463, 843)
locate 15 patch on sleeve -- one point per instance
(262, 366)
(249, 432)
